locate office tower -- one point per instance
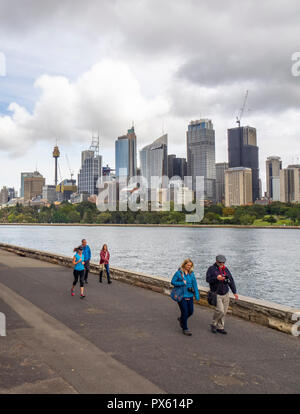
(154, 159)
(273, 167)
(23, 175)
(49, 193)
(33, 186)
(89, 172)
(125, 153)
(238, 186)
(220, 182)
(290, 184)
(4, 195)
(201, 156)
(177, 167)
(11, 193)
(243, 152)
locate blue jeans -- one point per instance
(107, 271)
(187, 310)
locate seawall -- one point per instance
(265, 313)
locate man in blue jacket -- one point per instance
(220, 280)
(87, 257)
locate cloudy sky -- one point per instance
(74, 68)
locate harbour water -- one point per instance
(264, 262)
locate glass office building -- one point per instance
(154, 159)
(201, 156)
(89, 173)
(125, 155)
(243, 152)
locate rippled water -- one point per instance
(264, 262)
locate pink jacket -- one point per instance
(104, 256)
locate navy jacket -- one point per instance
(190, 282)
(218, 286)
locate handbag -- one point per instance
(212, 298)
(177, 292)
(101, 266)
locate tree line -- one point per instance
(86, 212)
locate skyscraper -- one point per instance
(220, 181)
(89, 173)
(154, 159)
(33, 186)
(125, 153)
(243, 152)
(290, 184)
(23, 175)
(238, 186)
(177, 167)
(201, 156)
(273, 167)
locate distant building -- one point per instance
(201, 156)
(77, 198)
(89, 173)
(177, 167)
(23, 175)
(221, 167)
(49, 193)
(290, 184)
(33, 186)
(154, 160)
(4, 195)
(125, 155)
(65, 189)
(273, 168)
(243, 152)
(238, 186)
(11, 193)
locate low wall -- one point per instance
(269, 314)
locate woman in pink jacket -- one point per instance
(104, 263)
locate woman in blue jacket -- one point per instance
(185, 277)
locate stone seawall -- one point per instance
(269, 314)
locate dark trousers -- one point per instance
(78, 274)
(187, 309)
(86, 269)
(107, 273)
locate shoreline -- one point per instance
(229, 226)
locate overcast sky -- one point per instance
(75, 67)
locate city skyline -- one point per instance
(113, 70)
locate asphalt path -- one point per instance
(128, 339)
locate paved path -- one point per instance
(124, 339)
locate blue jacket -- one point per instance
(87, 252)
(190, 282)
(221, 288)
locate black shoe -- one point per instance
(86, 282)
(213, 329)
(109, 282)
(222, 331)
(100, 281)
(82, 296)
(179, 320)
(187, 333)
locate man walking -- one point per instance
(87, 257)
(220, 280)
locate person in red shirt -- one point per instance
(104, 263)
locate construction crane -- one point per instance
(71, 171)
(238, 118)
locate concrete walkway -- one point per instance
(124, 339)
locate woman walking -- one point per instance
(104, 263)
(185, 277)
(78, 262)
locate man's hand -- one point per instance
(220, 277)
(236, 296)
